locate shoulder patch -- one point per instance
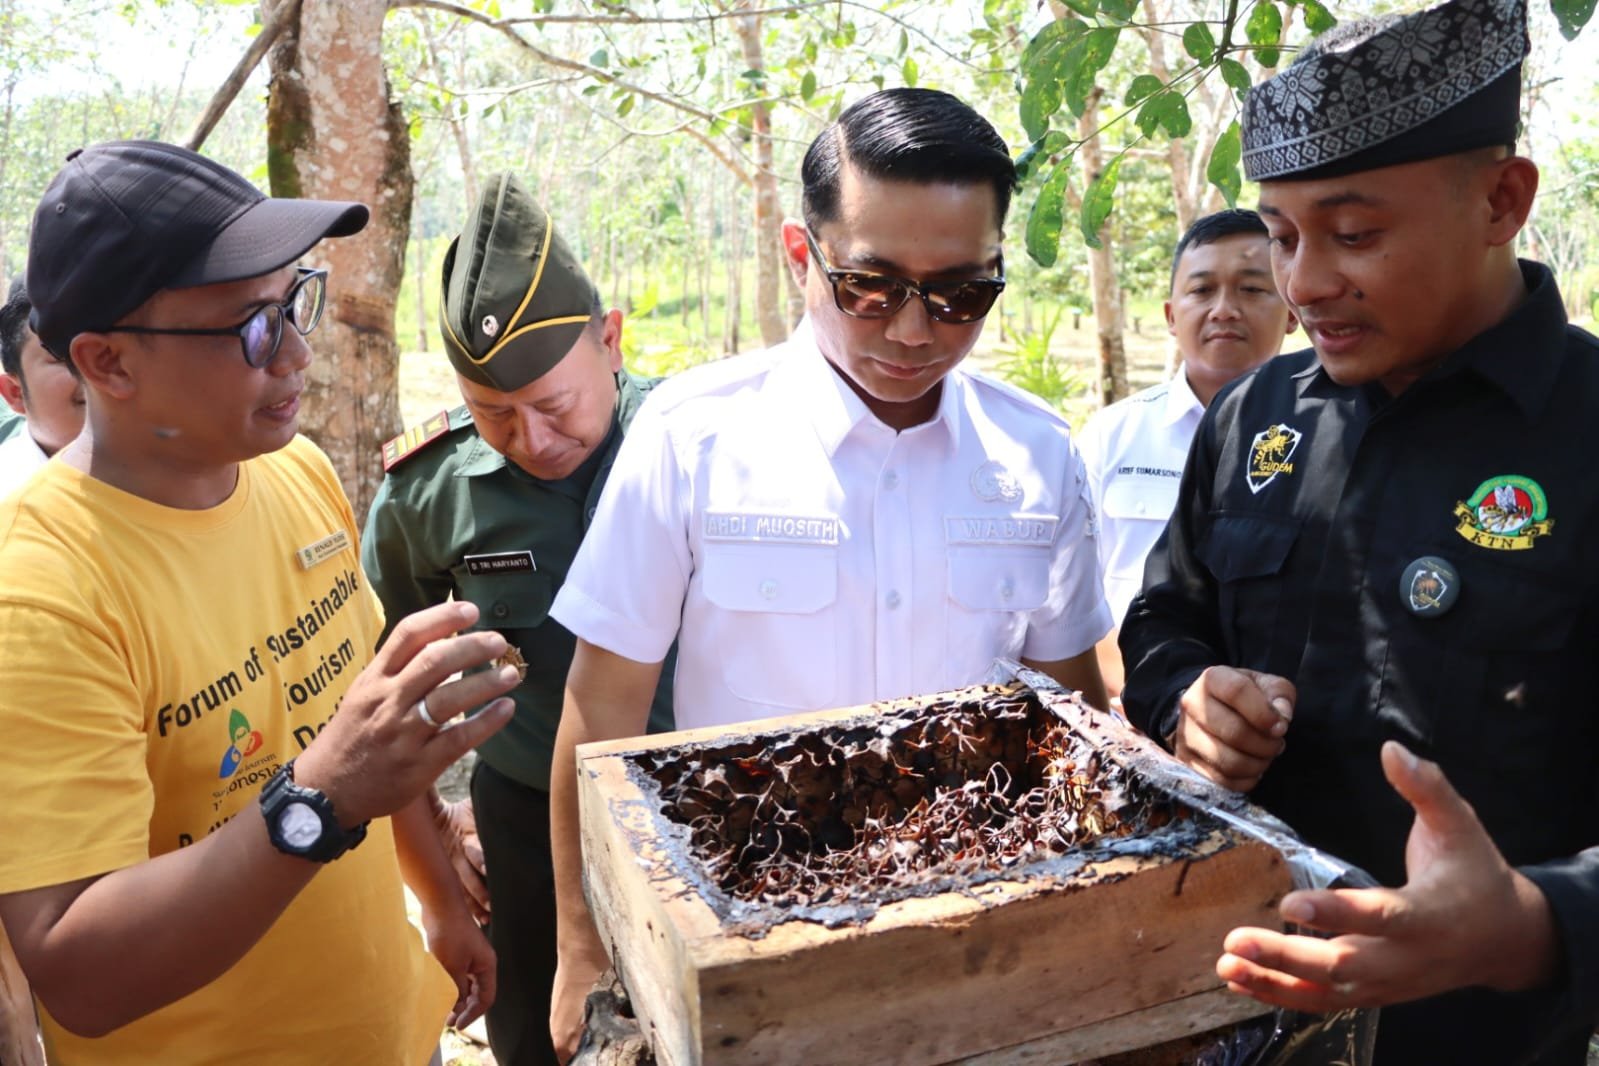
(415, 439)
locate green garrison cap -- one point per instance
(515, 299)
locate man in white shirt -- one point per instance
(38, 386)
(1227, 319)
(845, 518)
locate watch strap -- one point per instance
(279, 792)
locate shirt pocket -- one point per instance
(1247, 554)
(992, 589)
(1489, 684)
(780, 599)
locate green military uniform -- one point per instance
(455, 518)
(11, 424)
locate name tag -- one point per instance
(501, 563)
(786, 529)
(323, 550)
(1015, 529)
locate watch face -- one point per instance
(299, 825)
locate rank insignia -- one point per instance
(991, 482)
(1270, 454)
(1506, 513)
(411, 441)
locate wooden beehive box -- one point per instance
(1051, 956)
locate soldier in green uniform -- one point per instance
(488, 503)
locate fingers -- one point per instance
(1301, 972)
(453, 698)
(427, 671)
(1363, 911)
(456, 739)
(1280, 692)
(1240, 691)
(1424, 786)
(415, 631)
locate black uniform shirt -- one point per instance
(1302, 508)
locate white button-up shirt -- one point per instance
(805, 555)
(19, 458)
(1134, 451)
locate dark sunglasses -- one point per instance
(863, 294)
(261, 335)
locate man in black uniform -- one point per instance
(488, 503)
(1380, 547)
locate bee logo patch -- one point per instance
(1270, 454)
(1506, 513)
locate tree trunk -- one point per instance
(768, 206)
(332, 133)
(1102, 272)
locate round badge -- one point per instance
(491, 325)
(1429, 587)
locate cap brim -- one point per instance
(271, 234)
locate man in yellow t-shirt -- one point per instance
(200, 747)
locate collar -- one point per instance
(1535, 331)
(1180, 400)
(813, 385)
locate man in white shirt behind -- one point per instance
(1227, 319)
(38, 386)
(849, 516)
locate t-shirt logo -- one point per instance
(1269, 455)
(1506, 513)
(245, 742)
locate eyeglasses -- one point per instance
(862, 294)
(261, 335)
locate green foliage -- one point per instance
(1097, 203)
(1047, 217)
(1264, 30)
(1199, 42)
(1222, 171)
(1030, 363)
(1572, 16)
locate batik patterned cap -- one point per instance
(1391, 90)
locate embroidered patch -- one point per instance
(411, 441)
(782, 528)
(1506, 513)
(1269, 455)
(992, 482)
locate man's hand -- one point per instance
(457, 826)
(378, 753)
(464, 952)
(1231, 724)
(1463, 918)
(575, 975)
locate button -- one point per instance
(769, 589)
(1007, 589)
(890, 479)
(501, 610)
(892, 599)
(1429, 586)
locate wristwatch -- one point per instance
(300, 821)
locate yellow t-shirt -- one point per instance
(157, 666)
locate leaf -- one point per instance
(1572, 15)
(1043, 51)
(1235, 75)
(1264, 29)
(1118, 10)
(1095, 51)
(1222, 171)
(1045, 220)
(1040, 100)
(1198, 42)
(1086, 8)
(602, 58)
(904, 42)
(808, 86)
(754, 74)
(626, 105)
(1042, 148)
(1319, 20)
(1168, 109)
(909, 71)
(1143, 87)
(1097, 203)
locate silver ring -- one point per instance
(422, 711)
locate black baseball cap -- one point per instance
(125, 219)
